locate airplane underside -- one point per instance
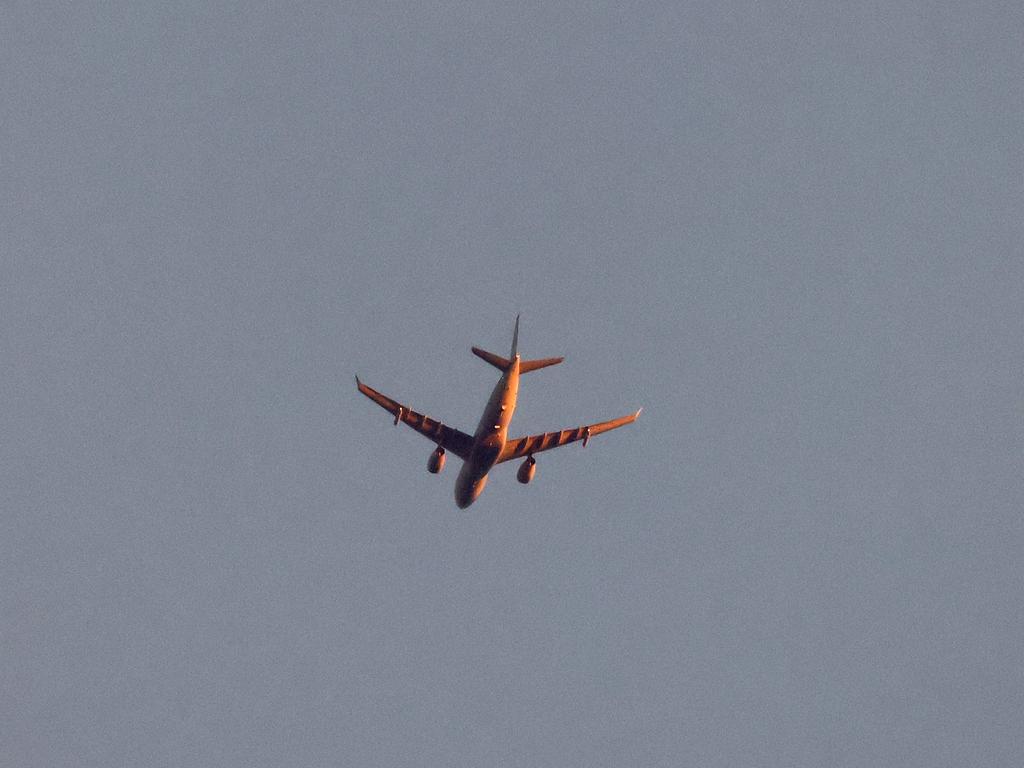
(490, 444)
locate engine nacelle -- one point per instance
(436, 461)
(527, 470)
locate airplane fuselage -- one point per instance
(489, 438)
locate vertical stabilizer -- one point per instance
(515, 340)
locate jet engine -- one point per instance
(436, 461)
(527, 470)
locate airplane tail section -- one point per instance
(503, 363)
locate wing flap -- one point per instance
(524, 446)
(449, 438)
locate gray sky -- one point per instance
(792, 232)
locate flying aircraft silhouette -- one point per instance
(490, 444)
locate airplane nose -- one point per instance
(463, 495)
(467, 493)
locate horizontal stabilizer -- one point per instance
(503, 363)
(532, 365)
(499, 362)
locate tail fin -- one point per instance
(503, 363)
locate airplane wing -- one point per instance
(524, 446)
(448, 438)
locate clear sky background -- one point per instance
(793, 232)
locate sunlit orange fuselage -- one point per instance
(489, 438)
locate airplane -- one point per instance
(490, 444)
